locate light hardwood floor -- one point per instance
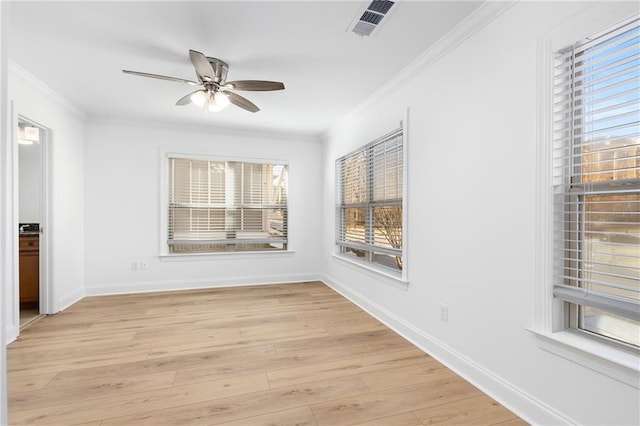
(294, 354)
(28, 316)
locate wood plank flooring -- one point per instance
(291, 354)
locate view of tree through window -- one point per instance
(369, 202)
(597, 183)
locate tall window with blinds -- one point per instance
(369, 217)
(596, 163)
(222, 206)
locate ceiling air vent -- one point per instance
(371, 17)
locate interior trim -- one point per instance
(473, 23)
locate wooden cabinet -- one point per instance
(29, 270)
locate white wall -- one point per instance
(471, 212)
(6, 205)
(471, 192)
(122, 209)
(34, 101)
(29, 182)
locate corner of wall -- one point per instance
(68, 299)
(199, 283)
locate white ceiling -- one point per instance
(79, 49)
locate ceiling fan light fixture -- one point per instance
(217, 102)
(221, 99)
(212, 106)
(200, 98)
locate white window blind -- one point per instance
(596, 163)
(226, 206)
(369, 188)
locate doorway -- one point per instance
(31, 248)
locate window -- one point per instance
(369, 203)
(221, 206)
(596, 181)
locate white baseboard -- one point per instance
(68, 300)
(11, 333)
(13, 330)
(193, 284)
(515, 399)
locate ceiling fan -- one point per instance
(216, 92)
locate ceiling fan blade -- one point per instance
(204, 70)
(186, 99)
(254, 85)
(243, 103)
(161, 77)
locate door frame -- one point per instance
(45, 205)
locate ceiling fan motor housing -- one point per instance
(220, 67)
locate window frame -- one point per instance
(611, 359)
(164, 251)
(394, 277)
(585, 179)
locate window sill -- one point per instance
(599, 356)
(377, 273)
(187, 257)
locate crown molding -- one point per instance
(204, 128)
(42, 86)
(478, 19)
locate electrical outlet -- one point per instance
(135, 266)
(143, 265)
(444, 313)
